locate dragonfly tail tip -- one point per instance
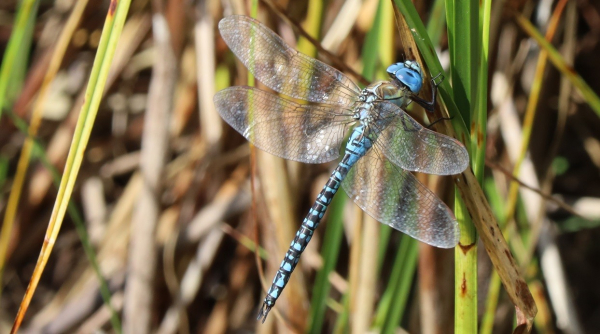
(264, 311)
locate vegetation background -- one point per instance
(169, 204)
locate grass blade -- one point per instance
(36, 119)
(372, 40)
(437, 22)
(555, 57)
(393, 301)
(479, 113)
(27, 9)
(37, 152)
(110, 35)
(463, 33)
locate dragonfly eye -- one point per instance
(392, 69)
(410, 79)
(407, 74)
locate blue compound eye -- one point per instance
(410, 78)
(392, 69)
(408, 74)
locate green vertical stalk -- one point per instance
(465, 272)
(312, 26)
(463, 35)
(436, 22)
(27, 10)
(253, 14)
(479, 130)
(11, 74)
(372, 40)
(4, 166)
(393, 301)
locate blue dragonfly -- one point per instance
(384, 145)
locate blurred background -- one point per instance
(175, 205)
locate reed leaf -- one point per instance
(113, 26)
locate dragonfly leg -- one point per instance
(434, 79)
(430, 105)
(439, 120)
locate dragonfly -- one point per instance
(385, 144)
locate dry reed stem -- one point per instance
(551, 262)
(342, 25)
(190, 282)
(94, 208)
(204, 38)
(367, 280)
(231, 199)
(143, 254)
(187, 95)
(435, 276)
(563, 304)
(101, 316)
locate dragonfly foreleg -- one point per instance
(429, 105)
(439, 120)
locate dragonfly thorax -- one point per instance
(380, 91)
(364, 111)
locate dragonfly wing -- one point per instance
(395, 197)
(413, 147)
(305, 133)
(282, 68)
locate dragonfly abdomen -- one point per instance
(357, 146)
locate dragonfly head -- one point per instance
(407, 73)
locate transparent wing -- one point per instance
(413, 147)
(394, 197)
(282, 68)
(305, 133)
